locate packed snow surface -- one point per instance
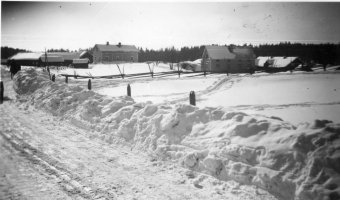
(298, 97)
(291, 162)
(116, 69)
(278, 90)
(158, 91)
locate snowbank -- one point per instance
(291, 162)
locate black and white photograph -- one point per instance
(170, 100)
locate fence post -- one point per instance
(49, 73)
(66, 79)
(1, 92)
(205, 73)
(179, 72)
(129, 90)
(89, 86)
(192, 98)
(53, 77)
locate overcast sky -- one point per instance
(39, 25)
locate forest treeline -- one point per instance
(7, 52)
(320, 53)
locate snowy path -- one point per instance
(45, 158)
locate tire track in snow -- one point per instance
(70, 183)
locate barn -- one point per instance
(51, 60)
(26, 59)
(225, 59)
(42, 59)
(107, 53)
(81, 63)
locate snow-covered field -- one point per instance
(112, 69)
(291, 161)
(297, 98)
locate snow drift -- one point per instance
(291, 162)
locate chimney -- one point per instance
(119, 44)
(107, 43)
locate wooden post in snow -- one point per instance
(192, 98)
(46, 65)
(89, 84)
(66, 79)
(129, 90)
(151, 70)
(179, 72)
(1, 92)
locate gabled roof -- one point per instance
(82, 54)
(219, 52)
(116, 48)
(26, 56)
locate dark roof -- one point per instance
(116, 48)
(219, 52)
(52, 58)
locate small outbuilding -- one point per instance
(80, 63)
(225, 59)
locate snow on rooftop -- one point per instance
(116, 48)
(276, 61)
(26, 56)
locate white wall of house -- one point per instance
(97, 56)
(113, 57)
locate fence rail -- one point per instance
(140, 75)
